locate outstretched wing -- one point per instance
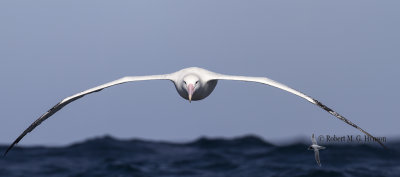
(72, 98)
(273, 83)
(313, 139)
(317, 157)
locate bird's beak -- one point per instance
(190, 91)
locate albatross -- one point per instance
(192, 84)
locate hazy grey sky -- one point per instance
(343, 53)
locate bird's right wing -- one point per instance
(317, 157)
(72, 98)
(313, 139)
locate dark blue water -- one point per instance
(247, 156)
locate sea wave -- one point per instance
(247, 156)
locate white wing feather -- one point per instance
(317, 157)
(267, 81)
(313, 139)
(72, 98)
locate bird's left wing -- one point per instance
(276, 84)
(313, 139)
(72, 98)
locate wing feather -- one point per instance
(313, 139)
(72, 98)
(317, 157)
(276, 84)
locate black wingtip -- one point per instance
(8, 149)
(384, 147)
(5, 153)
(337, 115)
(14, 143)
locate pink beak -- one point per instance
(190, 91)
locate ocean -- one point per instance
(247, 156)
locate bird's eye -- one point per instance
(197, 82)
(184, 82)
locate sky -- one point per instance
(342, 53)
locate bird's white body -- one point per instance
(192, 84)
(315, 146)
(206, 84)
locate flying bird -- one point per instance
(314, 146)
(192, 84)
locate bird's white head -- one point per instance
(190, 83)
